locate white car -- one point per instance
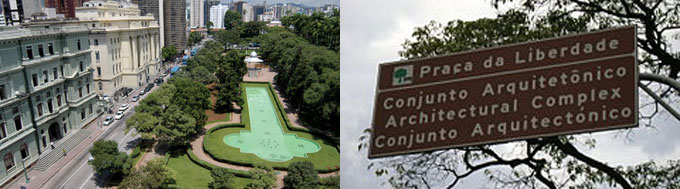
(123, 107)
(119, 115)
(135, 98)
(108, 120)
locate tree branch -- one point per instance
(569, 149)
(660, 101)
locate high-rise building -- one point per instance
(66, 7)
(174, 23)
(257, 11)
(206, 10)
(196, 15)
(148, 7)
(125, 45)
(46, 91)
(13, 11)
(217, 15)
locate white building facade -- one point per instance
(196, 15)
(217, 15)
(125, 46)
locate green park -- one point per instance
(224, 121)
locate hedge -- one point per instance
(209, 166)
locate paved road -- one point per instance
(78, 173)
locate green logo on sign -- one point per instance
(402, 75)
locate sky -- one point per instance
(372, 32)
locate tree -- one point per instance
(222, 178)
(228, 37)
(209, 26)
(232, 20)
(152, 175)
(318, 28)
(107, 159)
(301, 175)
(543, 162)
(262, 176)
(194, 37)
(174, 113)
(201, 74)
(252, 29)
(144, 123)
(169, 52)
(332, 182)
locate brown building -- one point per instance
(174, 23)
(66, 7)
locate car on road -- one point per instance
(123, 107)
(150, 86)
(135, 98)
(89, 159)
(105, 97)
(119, 114)
(142, 92)
(108, 120)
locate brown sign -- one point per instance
(565, 85)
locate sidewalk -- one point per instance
(38, 178)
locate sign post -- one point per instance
(566, 85)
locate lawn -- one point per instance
(325, 160)
(191, 175)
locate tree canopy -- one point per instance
(308, 74)
(301, 175)
(261, 177)
(232, 20)
(194, 37)
(174, 113)
(552, 162)
(107, 159)
(152, 175)
(169, 52)
(317, 28)
(222, 178)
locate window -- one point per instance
(17, 122)
(3, 133)
(81, 66)
(88, 88)
(49, 105)
(90, 108)
(29, 52)
(78, 43)
(80, 92)
(96, 42)
(40, 109)
(61, 68)
(9, 161)
(40, 50)
(82, 113)
(58, 100)
(101, 86)
(54, 73)
(24, 151)
(99, 71)
(96, 55)
(50, 49)
(35, 79)
(45, 78)
(3, 95)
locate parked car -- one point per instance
(150, 86)
(142, 92)
(105, 97)
(123, 107)
(119, 115)
(135, 98)
(108, 120)
(89, 159)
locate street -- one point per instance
(78, 173)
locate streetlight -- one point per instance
(24, 166)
